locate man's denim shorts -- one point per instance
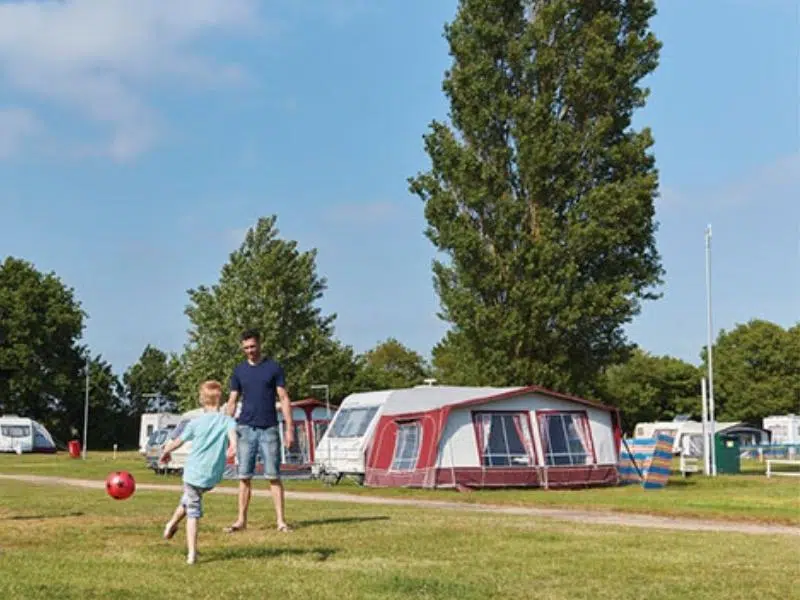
(254, 441)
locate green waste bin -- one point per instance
(727, 454)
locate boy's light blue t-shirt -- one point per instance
(208, 433)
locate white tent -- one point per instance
(20, 434)
(440, 436)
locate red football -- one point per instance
(120, 485)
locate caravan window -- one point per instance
(352, 422)
(566, 438)
(15, 431)
(406, 449)
(504, 439)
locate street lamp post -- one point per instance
(710, 350)
(86, 409)
(326, 387)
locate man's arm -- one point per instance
(236, 388)
(286, 409)
(230, 406)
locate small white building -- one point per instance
(785, 429)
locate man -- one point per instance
(258, 380)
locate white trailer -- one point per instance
(785, 429)
(150, 422)
(20, 434)
(342, 449)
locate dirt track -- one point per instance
(581, 516)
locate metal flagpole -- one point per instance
(710, 350)
(706, 449)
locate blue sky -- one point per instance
(139, 139)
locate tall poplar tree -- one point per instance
(540, 191)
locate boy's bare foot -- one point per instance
(170, 529)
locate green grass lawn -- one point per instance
(71, 543)
(747, 497)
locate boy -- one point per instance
(211, 434)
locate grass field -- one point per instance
(748, 497)
(71, 543)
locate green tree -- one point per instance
(269, 285)
(151, 383)
(110, 418)
(390, 365)
(756, 371)
(40, 358)
(652, 388)
(540, 192)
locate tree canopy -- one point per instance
(41, 360)
(540, 192)
(652, 388)
(151, 383)
(756, 371)
(390, 365)
(270, 285)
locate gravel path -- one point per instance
(573, 515)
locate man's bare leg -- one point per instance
(245, 491)
(276, 487)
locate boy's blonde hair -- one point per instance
(210, 393)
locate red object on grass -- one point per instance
(120, 485)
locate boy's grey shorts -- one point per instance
(192, 500)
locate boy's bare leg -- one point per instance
(191, 540)
(172, 524)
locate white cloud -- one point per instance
(770, 183)
(95, 58)
(16, 124)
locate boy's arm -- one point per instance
(186, 435)
(169, 447)
(232, 442)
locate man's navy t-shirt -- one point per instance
(257, 384)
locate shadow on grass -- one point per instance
(245, 552)
(42, 517)
(336, 521)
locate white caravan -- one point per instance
(20, 434)
(688, 435)
(179, 456)
(785, 429)
(151, 422)
(342, 449)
